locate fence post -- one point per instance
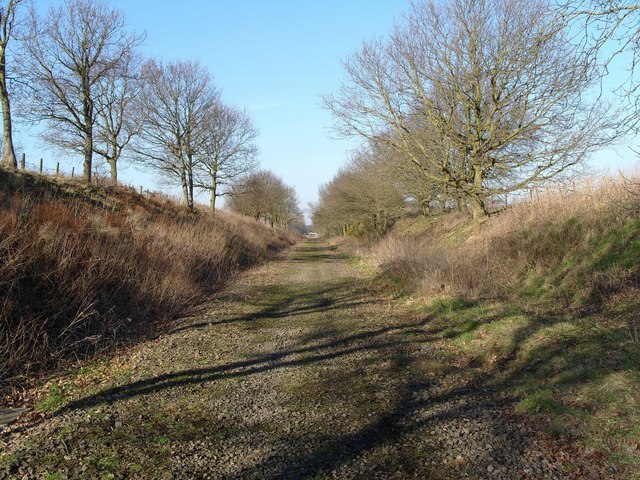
(57, 168)
(40, 165)
(73, 171)
(23, 161)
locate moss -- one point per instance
(54, 476)
(54, 399)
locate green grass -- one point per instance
(602, 263)
(56, 398)
(541, 401)
(54, 476)
(554, 323)
(7, 459)
(578, 374)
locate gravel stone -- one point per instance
(301, 368)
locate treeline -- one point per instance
(77, 69)
(264, 196)
(469, 102)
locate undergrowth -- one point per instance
(83, 268)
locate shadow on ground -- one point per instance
(384, 395)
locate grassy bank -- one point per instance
(83, 268)
(541, 301)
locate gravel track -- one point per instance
(298, 370)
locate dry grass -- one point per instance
(82, 268)
(577, 247)
(544, 299)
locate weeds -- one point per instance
(543, 299)
(82, 268)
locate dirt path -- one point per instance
(298, 370)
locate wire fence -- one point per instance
(96, 179)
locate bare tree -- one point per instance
(484, 97)
(227, 152)
(117, 120)
(607, 30)
(175, 104)
(7, 33)
(249, 196)
(361, 199)
(68, 53)
(406, 177)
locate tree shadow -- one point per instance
(337, 347)
(419, 403)
(275, 302)
(374, 378)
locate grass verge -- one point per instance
(540, 302)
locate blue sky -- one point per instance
(275, 58)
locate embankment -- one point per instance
(83, 268)
(542, 300)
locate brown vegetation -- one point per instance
(542, 299)
(575, 245)
(84, 267)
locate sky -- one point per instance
(274, 58)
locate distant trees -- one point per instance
(264, 196)
(482, 97)
(362, 198)
(7, 34)
(78, 45)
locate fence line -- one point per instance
(40, 168)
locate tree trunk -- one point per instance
(185, 189)
(478, 209)
(113, 163)
(88, 155)
(87, 112)
(8, 154)
(425, 208)
(214, 184)
(383, 221)
(189, 173)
